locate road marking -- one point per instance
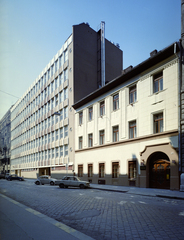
(122, 202)
(99, 197)
(64, 227)
(133, 202)
(142, 202)
(181, 213)
(33, 211)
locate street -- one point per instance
(102, 214)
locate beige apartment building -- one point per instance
(42, 120)
(126, 133)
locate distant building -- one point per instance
(42, 130)
(5, 142)
(127, 133)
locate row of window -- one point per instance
(37, 128)
(157, 124)
(157, 86)
(132, 170)
(38, 142)
(57, 99)
(57, 152)
(42, 81)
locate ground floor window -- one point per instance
(101, 170)
(132, 171)
(80, 170)
(115, 169)
(90, 170)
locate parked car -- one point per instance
(7, 175)
(73, 182)
(14, 177)
(45, 179)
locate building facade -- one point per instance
(5, 142)
(127, 131)
(42, 129)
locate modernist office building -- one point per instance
(42, 141)
(127, 133)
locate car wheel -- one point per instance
(20, 179)
(82, 186)
(9, 179)
(66, 186)
(37, 183)
(51, 183)
(61, 185)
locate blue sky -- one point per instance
(32, 32)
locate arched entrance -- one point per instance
(159, 171)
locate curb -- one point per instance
(146, 195)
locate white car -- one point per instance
(45, 179)
(73, 182)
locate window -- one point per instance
(49, 122)
(80, 118)
(65, 75)
(116, 102)
(53, 153)
(102, 137)
(48, 153)
(132, 169)
(60, 78)
(65, 112)
(65, 55)
(52, 70)
(158, 123)
(61, 97)
(56, 100)
(65, 93)
(61, 151)
(61, 114)
(132, 129)
(80, 142)
(56, 83)
(57, 135)
(116, 134)
(49, 138)
(90, 140)
(90, 170)
(66, 131)
(90, 113)
(56, 65)
(101, 170)
(132, 94)
(115, 169)
(52, 136)
(102, 108)
(66, 150)
(80, 170)
(57, 152)
(61, 133)
(158, 82)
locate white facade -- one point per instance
(40, 139)
(137, 118)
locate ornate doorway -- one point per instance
(159, 171)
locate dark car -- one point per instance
(15, 177)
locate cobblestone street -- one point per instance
(102, 214)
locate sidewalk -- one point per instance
(23, 223)
(152, 192)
